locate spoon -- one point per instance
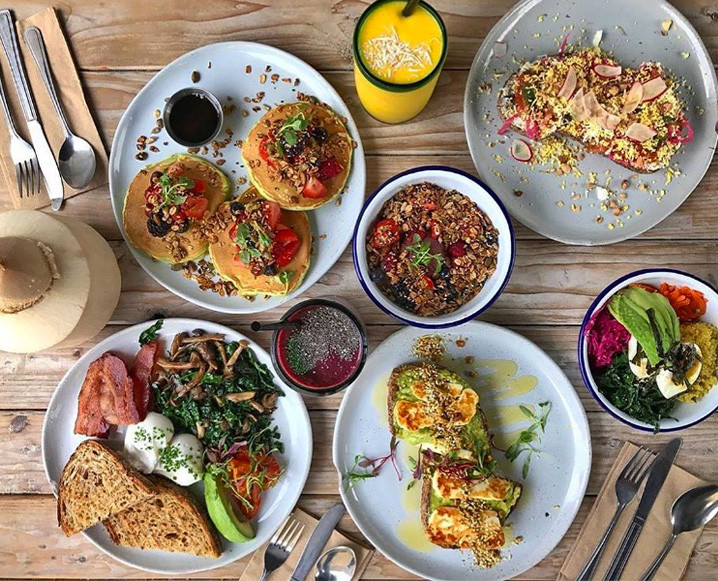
(278, 326)
(409, 8)
(76, 159)
(337, 564)
(690, 511)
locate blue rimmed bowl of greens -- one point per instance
(647, 350)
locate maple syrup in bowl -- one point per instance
(193, 117)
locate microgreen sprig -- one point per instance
(526, 439)
(371, 466)
(423, 255)
(171, 192)
(291, 126)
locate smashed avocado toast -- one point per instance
(463, 503)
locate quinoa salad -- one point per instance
(431, 250)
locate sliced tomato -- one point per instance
(199, 187)
(272, 213)
(329, 168)
(386, 233)
(195, 206)
(285, 246)
(250, 476)
(314, 189)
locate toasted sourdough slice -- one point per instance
(97, 483)
(170, 521)
(433, 406)
(589, 97)
(466, 513)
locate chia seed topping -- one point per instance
(322, 332)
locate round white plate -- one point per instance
(534, 28)
(59, 442)
(227, 77)
(685, 414)
(382, 508)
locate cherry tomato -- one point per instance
(272, 213)
(314, 189)
(285, 246)
(195, 207)
(329, 168)
(388, 263)
(199, 187)
(386, 233)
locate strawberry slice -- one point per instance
(285, 246)
(272, 213)
(329, 168)
(314, 189)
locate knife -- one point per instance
(48, 165)
(656, 478)
(316, 542)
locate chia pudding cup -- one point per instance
(326, 354)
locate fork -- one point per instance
(627, 485)
(27, 170)
(281, 544)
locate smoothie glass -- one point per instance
(396, 102)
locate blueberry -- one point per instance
(270, 270)
(236, 208)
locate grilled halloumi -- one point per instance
(434, 406)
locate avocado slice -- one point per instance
(631, 307)
(222, 513)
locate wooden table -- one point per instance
(120, 46)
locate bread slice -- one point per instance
(95, 484)
(170, 521)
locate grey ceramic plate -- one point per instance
(561, 207)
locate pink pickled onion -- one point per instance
(676, 135)
(507, 124)
(564, 43)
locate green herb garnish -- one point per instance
(529, 95)
(371, 466)
(150, 333)
(526, 439)
(423, 255)
(284, 277)
(171, 192)
(290, 128)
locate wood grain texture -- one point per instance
(27, 522)
(120, 46)
(21, 470)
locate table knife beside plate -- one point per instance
(656, 478)
(317, 540)
(45, 157)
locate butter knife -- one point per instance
(48, 165)
(316, 542)
(656, 478)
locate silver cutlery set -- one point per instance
(690, 511)
(76, 161)
(336, 564)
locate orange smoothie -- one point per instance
(397, 59)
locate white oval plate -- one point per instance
(556, 481)
(59, 442)
(227, 77)
(685, 414)
(534, 28)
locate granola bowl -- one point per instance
(433, 247)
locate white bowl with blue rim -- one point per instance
(685, 414)
(449, 179)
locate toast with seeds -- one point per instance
(632, 116)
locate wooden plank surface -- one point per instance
(118, 48)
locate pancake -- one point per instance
(173, 247)
(291, 148)
(223, 252)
